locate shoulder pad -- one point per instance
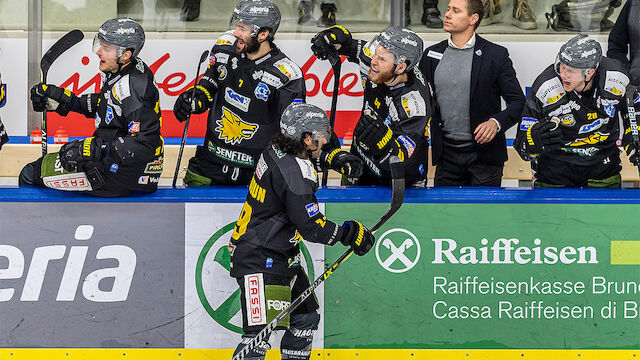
(299, 174)
(225, 43)
(614, 83)
(413, 104)
(288, 68)
(550, 91)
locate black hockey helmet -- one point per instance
(259, 14)
(299, 118)
(124, 33)
(403, 43)
(580, 52)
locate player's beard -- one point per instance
(382, 77)
(252, 46)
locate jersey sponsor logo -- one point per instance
(565, 109)
(277, 305)
(222, 72)
(221, 58)
(610, 109)
(234, 63)
(312, 209)
(109, 115)
(143, 180)
(121, 90)
(226, 39)
(232, 129)
(133, 127)
(413, 104)
(140, 65)
(237, 100)
(288, 68)
(591, 139)
(3, 94)
(616, 83)
(255, 300)
(154, 167)
(550, 92)
(526, 123)
(234, 156)
(307, 169)
(584, 152)
(272, 80)
(261, 168)
(97, 120)
(593, 126)
(257, 74)
(212, 59)
(409, 144)
(262, 91)
(68, 182)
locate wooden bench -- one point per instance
(14, 156)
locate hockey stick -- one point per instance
(186, 123)
(631, 109)
(336, 65)
(397, 198)
(63, 44)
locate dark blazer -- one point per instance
(492, 76)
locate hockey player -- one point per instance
(397, 103)
(247, 86)
(4, 138)
(570, 125)
(125, 153)
(281, 209)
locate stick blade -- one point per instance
(63, 44)
(397, 191)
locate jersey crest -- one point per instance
(232, 129)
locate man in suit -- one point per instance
(468, 76)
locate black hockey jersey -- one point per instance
(248, 98)
(4, 138)
(281, 209)
(589, 120)
(127, 116)
(406, 108)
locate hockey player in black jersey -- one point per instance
(397, 102)
(570, 122)
(247, 86)
(281, 209)
(126, 151)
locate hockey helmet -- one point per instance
(259, 14)
(124, 33)
(403, 43)
(299, 118)
(580, 52)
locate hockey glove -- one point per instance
(184, 106)
(543, 137)
(51, 98)
(77, 152)
(358, 237)
(327, 42)
(375, 137)
(342, 161)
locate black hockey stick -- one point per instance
(63, 44)
(631, 109)
(397, 198)
(336, 65)
(186, 123)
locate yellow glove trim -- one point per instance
(206, 92)
(86, 147)
(385, 139)
(529, 138)
(332, 154)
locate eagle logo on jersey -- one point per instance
(232, 129)
(591, 139)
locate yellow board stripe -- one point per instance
(328, 354)
(625, 253)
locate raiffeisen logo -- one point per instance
(506, 251)
(214, 263)
(72, 280)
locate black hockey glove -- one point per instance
(374, 136)
(358, 237)
(201, 103)
(327, 42)
(51, 98)
(543, 137)
(342, 161)
(77, 152)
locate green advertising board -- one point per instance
(489, 276)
